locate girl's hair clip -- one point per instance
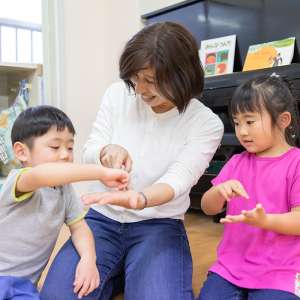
(275, 75)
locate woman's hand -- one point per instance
(255, 217)
(115, 156)
(115, 178)
(129, 199)
(86, 277)
(231, 188)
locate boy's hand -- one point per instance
(115, 178)
(128, 199)
(86, 277)
(230, 189)
(255, 217)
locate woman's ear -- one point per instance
(21, 151)
(284, 120)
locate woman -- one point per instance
(152, 126)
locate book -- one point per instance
(217, 55)
(271, 54)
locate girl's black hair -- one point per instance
(273, 94)
(36, 121)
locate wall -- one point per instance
(147, 6)
(94, 36)
(82, 44)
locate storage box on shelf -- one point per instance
(10, 76)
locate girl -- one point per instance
(259, 255)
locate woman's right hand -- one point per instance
(115, 156)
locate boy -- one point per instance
(36, 200)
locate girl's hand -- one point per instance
(115, 178)
(230, 189)
(116, 157)
(255, 217)
(86, 277)
(128, 199)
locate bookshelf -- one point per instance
(10, 76)
(253, 22)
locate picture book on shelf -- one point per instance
(217, 55)
(272, 54)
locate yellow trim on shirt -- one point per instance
(23, 196)
(78, 218)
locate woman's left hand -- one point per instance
(128, 199)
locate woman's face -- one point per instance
(145, 88)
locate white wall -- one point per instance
(82, 44)
(94, 35)
(147, 6)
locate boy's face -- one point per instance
(54, 146)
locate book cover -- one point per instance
(217, 55)
(272, 54)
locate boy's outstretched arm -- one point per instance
(87, 277)
(56, 174)
(214, 199)
(286, 223)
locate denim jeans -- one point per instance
(17, 288)
(150, 258)
(217, 288)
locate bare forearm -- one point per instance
(212, 202)
(55, 174)
(158, 194)
(288, 223)
(83, 241)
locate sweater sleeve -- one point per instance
(102, 130)
(201, 144)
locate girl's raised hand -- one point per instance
(255, 217)
(232, 188)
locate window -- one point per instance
(20, 31)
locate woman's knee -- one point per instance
(59, 280)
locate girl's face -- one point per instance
(145, 88)
(258, 135)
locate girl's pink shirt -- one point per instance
(251, 257)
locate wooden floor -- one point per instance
(204, 236)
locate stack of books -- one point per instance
(217, 55)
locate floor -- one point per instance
(204, 236)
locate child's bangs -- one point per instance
(247, 100)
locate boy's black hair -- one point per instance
(36, 121)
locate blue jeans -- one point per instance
(217, 288)
(150, 258)
(17, 288)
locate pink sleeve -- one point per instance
(294, 197)
(226, 172)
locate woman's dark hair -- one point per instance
(36, 121)
(273, 94)
(172, 52)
